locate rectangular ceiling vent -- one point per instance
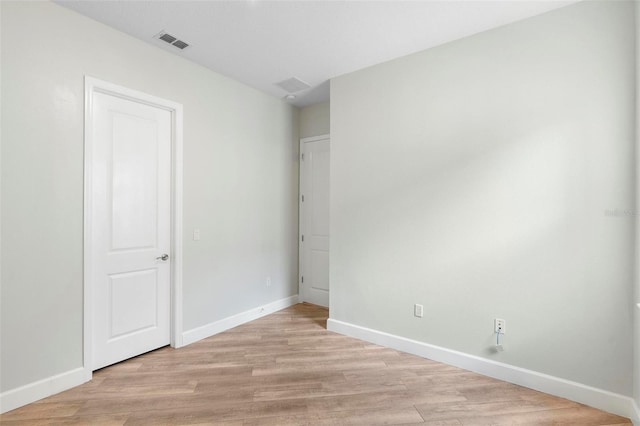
(293, 85)
(168, 38)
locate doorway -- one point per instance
(314, 220)
(133, 224)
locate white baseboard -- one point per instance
(594, 397)
(32, 392)
(224, 324)
(635, 418)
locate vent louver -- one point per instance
(293, 85)
(168, 38)
(180, 44)
(172, 40)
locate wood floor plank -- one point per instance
(42, 409)
(108, 420)
(407, 416)
(517, 412)
(287, 369)
(565, 416)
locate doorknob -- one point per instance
(164, 257)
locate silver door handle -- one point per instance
(164, 257)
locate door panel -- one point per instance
(319, 276)
(319, 158)
(134, 192)
(132, 306)
(315, 211)
(131, 228)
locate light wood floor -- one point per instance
(286, 369)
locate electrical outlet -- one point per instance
(417, 310)
(268, 281)
(499, 326)
(196, 234)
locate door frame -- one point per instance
(301, 224)
(93, 85)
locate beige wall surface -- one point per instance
(636, 333)
(314, 120)
(240, 183)
(489, 178)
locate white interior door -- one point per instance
(314, 208)
(131, 228)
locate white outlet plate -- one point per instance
(499, 325)
(196, 234)
(268, 281)
(418, 310)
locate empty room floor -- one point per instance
(287, 369)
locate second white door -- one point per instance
(131, 227)
(314, 209)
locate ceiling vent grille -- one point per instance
(293, 85)
(168, 38)
(180, 44)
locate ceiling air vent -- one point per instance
(172, 40)
(293, 85)
(168, 38)
(180, 44)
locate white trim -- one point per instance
(87, 260)
(1, 399)
(301, 182)
(301, 293)
(635, 417)
(315, 138)
(224, 324)
(636, 318)
(598, 398)
(176, 223)
(31, 392)
(93, 85)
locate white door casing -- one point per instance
(132, 218)
(314, 220)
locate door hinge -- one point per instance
(302, 156)
(303, 198)
(302, 278)
(303, 238)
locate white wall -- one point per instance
(314, 120)
(474, 178)
(240, 183)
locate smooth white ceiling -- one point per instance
(261, 43)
